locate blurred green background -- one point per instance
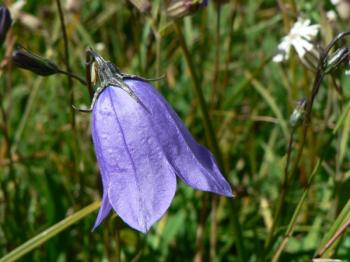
(48, 168)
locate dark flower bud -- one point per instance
(298, 113)
(336, 59)
(181, 8)
(5, 22)
(37, 64)
(144, 6)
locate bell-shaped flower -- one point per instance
(141, 147)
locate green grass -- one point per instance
(48, 170)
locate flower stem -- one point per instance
(281, 198)
(81, 80)
(66, 57)
(75, 147)
(320, 74)
(334, 238)
(293, 220)
(211, 136)
(202, 104)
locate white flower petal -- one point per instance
(300, 37)
(280, 57)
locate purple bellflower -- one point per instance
(141, 146)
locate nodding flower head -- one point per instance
(5, 22)
(142, 146)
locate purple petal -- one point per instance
(105, 205)
(104, 210)
(192, 162)
(138, 179)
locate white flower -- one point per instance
(300, 37)
(335, 2)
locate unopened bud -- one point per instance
(181, 8)
(5, 22)
(297, 117)
(37, 64)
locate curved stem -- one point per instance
(66, 58)
(211, 137)
(293, 220)
(197, 88)
(338, 234)
(80, 79)
(320, 74)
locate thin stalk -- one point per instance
(49, 233)
(6, 134)
(282, 196)
(66, 59)
(293, 220)
(215, 98)
(320, 74)
(197, 88)
(214, 227)
(215, 90)
(316, 87)
(198, 257)
(292, 223)
(72, 102)
(336, 236)
(343, 216)
(289, 176)
(211, 136)
(230, 46)
(238, 232)
(80, 79)
(31, 102)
